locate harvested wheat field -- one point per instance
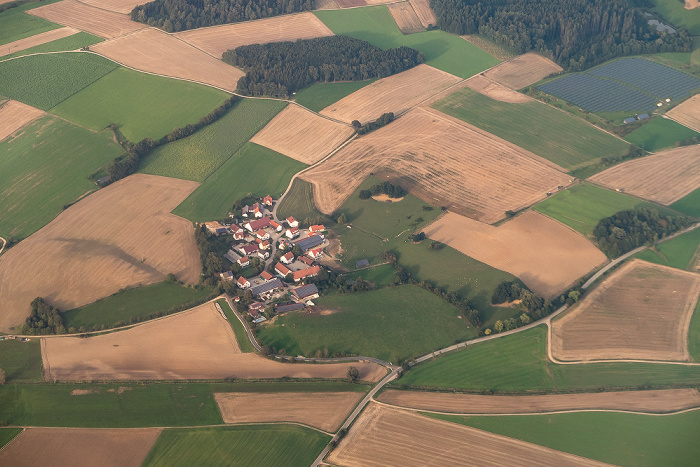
(120, 236)
(690, 4)
(38, 39)
(385, 435)
(15, 115)
(442, 160)
(641, 311)
(545, 254)
(118, 6)
(522, 71)
(664, 177)
(79, 447)
(154, 51)
(495, 91)
(660, 401)
(424, 12)
(302, 135)
(326, 5)
(218, 39)
(687, 113)
(196, 344)
(323, 410)
(396, 94)
(96, 21)
(405, 16)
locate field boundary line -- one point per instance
(14, 437)
(680, 123)
(4, 244)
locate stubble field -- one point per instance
(687, 113)
(405, 16)
(495, 91)
(14, 115)
(118, 6)
(38, 39)
(424, 12)
(523, 70)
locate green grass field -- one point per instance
(21, 361)
(442, 50)
(74, 42)
(694, 334)
(320, 95)
(678, 252)
(32, 191)
(518, 363)
(269, 445)
(142, 105)
(690, 204)
(241, 336)
(44, 81)
(380, 276)
(141, 302)
(534, 126)
(660, 133)
(198, 156)
(8, 434)
(618, 438)
(15, 24)
(299, 202)
(254, 169)
(675, 12)
(392, 324)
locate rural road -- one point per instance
(4, 243)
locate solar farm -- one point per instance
(625, 85)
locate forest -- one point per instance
(279, 69)
(576, 34)
(180, 15)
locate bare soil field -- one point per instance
(641, 311)
(495, 91)
(218, 39)
(196, 344)
(323, 410)
(545, 254)
(118, 6)
(15, 115)
(661, 401)
(664, 177)
(388, 436)
(302, 135)
(96, 21)
(442, 160)
(38, 39)
(687, 113)
(120, 236)
(79, 447)
(396, 93)
(424, 12)
(405, 16)
(690, 4)
(155, 51)
(523, 70)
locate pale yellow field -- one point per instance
(523, 70)
(405, 17)
(118, 6)
(495, 91)
(120, 236)
(424, 12)
(664, 177)
(218, 39)
(326, 5)
(302, 135)
(690, 4)
(37, 39)
(396, 94)
(687, 113)
(15, 115)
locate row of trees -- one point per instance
(279, 69)
(383, 120)
(632, 153)
(387, 188)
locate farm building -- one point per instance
(306, 292)
(292, 222)
(289, 307)
(310, 242)
(231, 256)
(292, 233)
(243, 283)
(316, 253)
(305, 260)
(226, 276)
(266, 276)
(317, 228)
(243, 261)
(304, 273)
(362, 263)
(247, 250)
(628, 120)
(642, 117)
(266, 288)
(281, 269)
(256, 225)
(287, 258)
(267, 200)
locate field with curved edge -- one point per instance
(74, 42)
(14, 115)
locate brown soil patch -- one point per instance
(388, 436)
(120, 236)
(196, 344)
(79, 447)
(83, 392)
(523, 70)
(382, 198)
(442, 160)
(302, 135)
(87, 18)
(424, 12)
(218, 39)
(15, 115)
(118, 6)
(38, 39)
(155, 51)
(396, 93)
(495, 91)
(687, 113)
(545, 254)
(642, 311)
(405, 16)
(690, 4)
(665, 177)
(324, 410)
(662, 401)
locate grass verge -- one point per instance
(238, 329)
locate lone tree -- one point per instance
(353, 374)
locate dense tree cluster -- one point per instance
(279, 69)
(212, 263)
(387, 188)
(630, 229)
(384, 119)
(575, 33)
(506, 291)
(180, 15)
(43, 319)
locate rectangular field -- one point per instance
(661, 133)
(74, 42)
(38, 39)
(424, 12)
(14, 115)
(523, 70)
(405, 16)
(687, 113)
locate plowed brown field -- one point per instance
(424, 12)
(14, 115)
(324, 410)
(388, 436)
(545, 254)
(218, 39)
(641, 311)
(442, 160)
(405, 17)
(523, 71)
(121, 236)
(87, 18)
(196, 344)
(687, 113)
(79, 447)
(155, 51)
(37, 39)
(395, 93)
(661, 401)
(302, 135)
(119, 6)
(665, 177)
(495, 91)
